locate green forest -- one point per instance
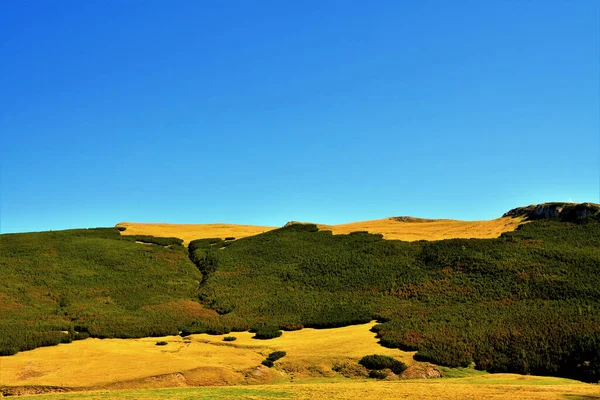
(527, 302)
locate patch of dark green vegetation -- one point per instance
(379, 362)
(376, 374)
(161, 343)
(121, 228)
(274, 356)
(266, 332)
(527, 302)
(229, 339)
(89, 282)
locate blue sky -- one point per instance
(262, 112)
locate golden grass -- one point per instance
(415, 229)
(138, 369)
(451, 389)
(409, 230)
(189, 232)
(96, 362)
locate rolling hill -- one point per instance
(525, 302)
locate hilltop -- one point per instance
(398, 228)
(189, 232)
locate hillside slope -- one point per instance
(525, 302)
(64, 285)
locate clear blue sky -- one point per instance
(262, 112)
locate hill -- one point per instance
(189, 232)
(59, 286)
(524, 302)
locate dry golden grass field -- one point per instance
(201, 360)
(408, 229)
(505, 387)
(138, 369)
(412, 229)
(189, 232)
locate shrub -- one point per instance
(276, 355)
(161, 343)
(79, 335)
(271, 358)
(229, 338)
(121, 228)
(267, 332)
(376, 374)
(379, 362)
(230, 238)
(218, 330)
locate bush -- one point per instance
(79, 335)
(376, 374)
(267, 363)
(276, 355)
(121, 228)
(229, 338)
(267, 332)
(217, 330)
(379, 362)
(230, 238)
(161, 343)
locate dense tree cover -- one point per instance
(527, 302)
(90, 282)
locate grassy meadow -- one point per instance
(502, 387)
(319, 363)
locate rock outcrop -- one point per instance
(562, 211)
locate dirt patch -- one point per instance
(260, 374)
(26, 390)
(350, 369)
(421, 371)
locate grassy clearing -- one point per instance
(125, 368)
(200, 359)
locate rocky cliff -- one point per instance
(562, 211)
